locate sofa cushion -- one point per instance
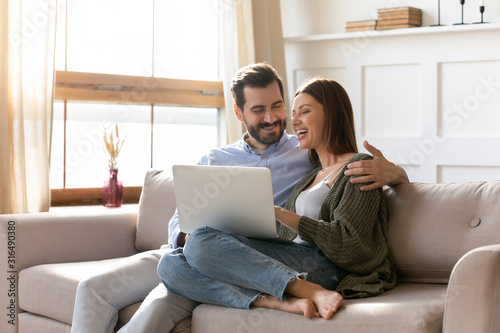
(432, 225)
(29, 322)
(407, 308)
(126, 314)
(156, 207)
(50, 290)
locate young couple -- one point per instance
(328, 200)
(342, 230)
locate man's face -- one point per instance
(263, 115)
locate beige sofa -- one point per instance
(444, 241)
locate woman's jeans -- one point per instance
(226, 269)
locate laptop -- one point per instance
(235, 199)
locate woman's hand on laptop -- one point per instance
(288, 218)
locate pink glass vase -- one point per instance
(112, 191)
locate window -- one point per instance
(149, 66)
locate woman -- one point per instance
(342, 249)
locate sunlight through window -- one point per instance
(136, 38)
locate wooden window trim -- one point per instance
(110, 88)
(90, 196)
(93, 87)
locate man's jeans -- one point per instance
(226, 269)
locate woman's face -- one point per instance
(308, 119)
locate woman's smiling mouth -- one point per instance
(301, 133)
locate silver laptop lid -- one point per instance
(236, 199)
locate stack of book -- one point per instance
(361, 25)
(399, 17)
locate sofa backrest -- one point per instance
(156, 207)
(432, 225)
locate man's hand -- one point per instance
(378, 171)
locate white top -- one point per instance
(309, 203)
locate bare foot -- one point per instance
(293, 305)
(327, 302)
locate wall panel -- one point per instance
(429, 98)
(391, 100)
(471, 108)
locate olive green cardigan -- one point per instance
(352, 232)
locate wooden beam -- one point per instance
(78, 86)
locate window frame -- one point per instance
(126, 89)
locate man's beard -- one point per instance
(269, 138)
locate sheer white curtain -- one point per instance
(250, 31)
(229, 62)
(26, 98)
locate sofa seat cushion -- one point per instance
(29, 323)
(50, 290)
(406, 308)
(126, 314)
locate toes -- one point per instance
(331, 307)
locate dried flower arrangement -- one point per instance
(113, 146)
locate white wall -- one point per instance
(428, 97)
(310, 17)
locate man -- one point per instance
(259, 103)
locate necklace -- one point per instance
(334, 172)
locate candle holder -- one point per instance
(439, 16)
(462, 2)
(481, 10)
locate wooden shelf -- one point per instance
(447, 29)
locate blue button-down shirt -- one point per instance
(287, 162)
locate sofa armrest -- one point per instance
(70, 235)
(473, 296)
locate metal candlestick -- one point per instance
(462, 2)
(439, 15)
(481, 10)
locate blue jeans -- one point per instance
(230, 270)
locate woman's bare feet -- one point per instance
(326, 301)
(293, 305)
